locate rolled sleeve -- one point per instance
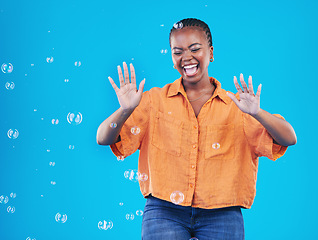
(260, 141)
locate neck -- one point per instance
(197, 87)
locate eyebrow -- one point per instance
(189, 46)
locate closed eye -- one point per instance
(195, 50)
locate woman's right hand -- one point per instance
(128, 95)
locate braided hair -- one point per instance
(192, 22)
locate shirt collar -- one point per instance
(177, 87)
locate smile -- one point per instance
(190, 70)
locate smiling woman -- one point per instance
(199, 145)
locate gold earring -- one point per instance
(212, 59)
(174, 66)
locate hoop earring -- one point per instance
(212, 59)
(174, 67)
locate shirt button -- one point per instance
(191, 185)
(195, 126)
(193, 167)
(194, 146)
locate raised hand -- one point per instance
(128, 95)
(249, 102)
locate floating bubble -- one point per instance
(52, 164)
(10, 85)
(78, 63)
(13, 133)
(55, 121)
(135, 130)
(113, 125)
(139, 212)
(169, 113)
(162, 25)
(53, 183)
(131, 175)
(7, 68)
(105, 225)
(177, 197)
(164, 51)
(48, 150)
(120, 158)
(28, 238)
(130, 216)
(49, 59)
(142, 177)
(215, 145)
(71, 147)
(32, 64)
(13, 195)
(121, 204)
(66, 80)
(10, 209)
(74, 118)
(178, 25)
(61, 218)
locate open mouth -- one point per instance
(191, 70)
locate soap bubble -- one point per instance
(131, 175)
(177, 197)
(66, 80)
(53, 183)
(10, 209)
(10, 85)
(215, 145)
(142, 177)
(13, 195)
(52, 164)
(49, 59)
(113, 125)
(164, 51)
(55, 121)
(139, 212)
(71, 147)
(121, 204)
(13, 133)
(105, 225)
(120, 158)
(74, 118)
(6, 68)
(61, 218)
(28, 238)
(130, 216)
(135, 130)
(178, 25)
(78, 63)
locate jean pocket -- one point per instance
(220, 142)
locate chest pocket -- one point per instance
(220, 142)
(167, 134)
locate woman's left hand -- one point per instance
(249, 102)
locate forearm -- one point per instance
(280, 130)
(107, 135)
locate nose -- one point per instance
(187, 55)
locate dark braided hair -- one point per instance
(192, 22)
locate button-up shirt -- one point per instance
(208, 161)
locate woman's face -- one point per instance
(191, 53)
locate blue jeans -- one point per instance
(164, 220)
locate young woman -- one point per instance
(199, 145)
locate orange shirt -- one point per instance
(208, 161)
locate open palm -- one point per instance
(249, 102)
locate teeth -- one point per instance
(191, 66)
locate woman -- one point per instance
(199, 145)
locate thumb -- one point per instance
(234, 99)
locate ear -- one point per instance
(211, 52)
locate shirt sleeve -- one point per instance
(260, 141)
(134, 129)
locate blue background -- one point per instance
(274, 41)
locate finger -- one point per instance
(141, 86)
(234, 99)
(120, 74)
(237, 85)
(126, 73)
(132, 74)
(113, 84)
(258, 94)
(250, 85)
(243, 83)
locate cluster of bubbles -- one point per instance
(134, 176)
(216, 145)
(5, 200)
(131, 216)
(7, 68)
(49, 59)
(60, 218)
(105, 225)
(13, 133)
(74, 118)
(177, 197)
(10, 85)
